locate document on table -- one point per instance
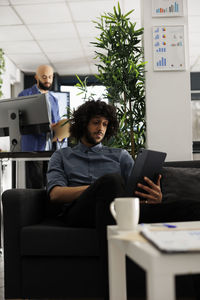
(173, 239)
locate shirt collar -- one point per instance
(36, 89)
(95, 148)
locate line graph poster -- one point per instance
(168, 48)
(167, 8)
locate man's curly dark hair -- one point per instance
(89, 110)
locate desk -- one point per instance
(19, 158)
(161, 268)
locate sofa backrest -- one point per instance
(183, 164)
(181, 181)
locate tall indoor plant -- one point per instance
(121, 71)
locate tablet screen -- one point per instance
(148, 163)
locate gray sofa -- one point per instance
(45, 259)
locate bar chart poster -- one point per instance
(168, 48)
(167, 8)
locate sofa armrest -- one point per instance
(21, 207)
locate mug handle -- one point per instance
(112, 209)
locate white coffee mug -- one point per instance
(126, 212)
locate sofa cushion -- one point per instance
(180, 184)
(51, 238)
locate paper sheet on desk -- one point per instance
(174, 240)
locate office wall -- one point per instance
(12, 84)
(168, 99)
(12, 80)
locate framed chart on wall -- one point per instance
(167, 8)
(168, 48)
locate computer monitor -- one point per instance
(24, 115)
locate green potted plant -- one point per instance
(121, 71)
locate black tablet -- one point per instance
(148, 163)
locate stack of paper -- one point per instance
(174, 239)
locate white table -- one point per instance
(161, 268)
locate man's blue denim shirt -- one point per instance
(37, 142)
(81, 165)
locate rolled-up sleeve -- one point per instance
(55, 174)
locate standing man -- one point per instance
(87, 177)
(35, 170)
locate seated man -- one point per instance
(87, 177)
